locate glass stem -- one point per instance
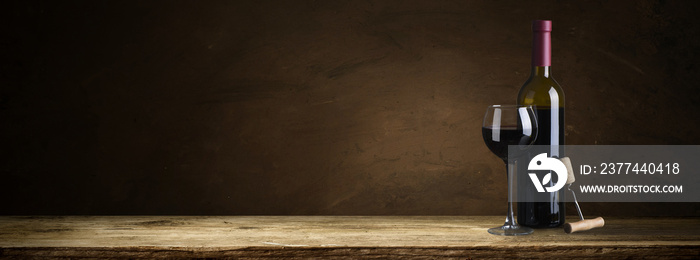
(510, 170)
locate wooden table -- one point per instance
(460, 237)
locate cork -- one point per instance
(584, 225)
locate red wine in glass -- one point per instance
(498, 139)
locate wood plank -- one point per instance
(334, 236)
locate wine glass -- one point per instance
(506, 125)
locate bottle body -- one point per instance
(537, 209)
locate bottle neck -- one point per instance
(541, 48)
(541, 71)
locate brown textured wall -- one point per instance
(318, 107)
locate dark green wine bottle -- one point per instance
(542, 210)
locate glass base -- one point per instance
(513, 230)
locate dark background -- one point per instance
(318, 107)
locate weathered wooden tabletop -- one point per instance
(335, 237)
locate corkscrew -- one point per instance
(583, 224)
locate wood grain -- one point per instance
(334, 237)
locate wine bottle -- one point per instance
(542, 210)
